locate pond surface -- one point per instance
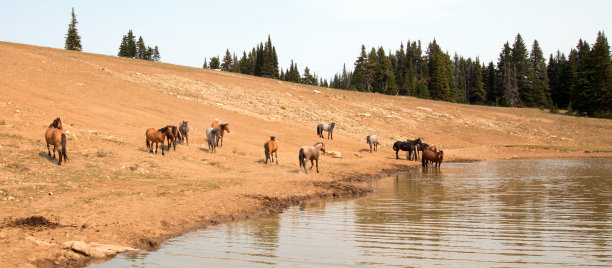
(527, 213)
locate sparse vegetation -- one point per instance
(2, 122)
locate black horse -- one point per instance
(416, 145)
(404, 146)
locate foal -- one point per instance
(310, 153)
(270, 148)
(184, 130)
(372, 140)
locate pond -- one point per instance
(520, 213)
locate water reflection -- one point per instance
(509, 213)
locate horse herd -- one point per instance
(56, 136)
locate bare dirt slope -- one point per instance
(113, 192)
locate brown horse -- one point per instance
(157, 137)
(310, 153)
(432, 156)
(55, 136)
(270, 148)
(221, 127)
(173, 135)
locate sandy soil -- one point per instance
(113, 192)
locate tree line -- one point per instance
(262, 61)
(580, 83)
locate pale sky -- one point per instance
(322, 35)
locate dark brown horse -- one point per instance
(173, 136)
(310, 153)
(184, 130)
(432, 156)
(157, 137)
(55, 136)
(270, 148)
(221, 127)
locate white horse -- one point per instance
(372, 140)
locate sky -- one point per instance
(323, 35)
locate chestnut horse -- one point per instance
(157, 137)
(310, 153)
(55, 136)
(270, 148)
(222, 128)
(432, 156)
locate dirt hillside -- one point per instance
(113, 193)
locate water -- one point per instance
(532, 213)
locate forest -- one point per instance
(579, 82)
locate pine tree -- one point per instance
(244, 64)
(478, 94)
(503, 65)
(227, 61)
(520, 61)
(359, 75)
(205, 65)
(214, 63)
(439, 84)
(131, 45)
(235, 65)
(156, 55)
(540, 89)
(489, 82)
(73, 39)
(141, 49)
(124, 47)
(510, 83)
(596, 90)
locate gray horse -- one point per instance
(213, 135)
(310, 153)
(184, 130)
(325, 127)
(372, 140)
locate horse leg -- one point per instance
(59, 152)
(396, 156)
(54, 151)
(276, 157)
(312, 163)
(317, 165)
(48, 150)
(187, 137)
(370, 148)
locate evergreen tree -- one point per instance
(520, 61)
(511, 90)
(359, 75)
(489, 82)
(439, 84)
(308, 79)
(478, 94)
(205, 65)
(73, 39)
(156, 55)
(124, 47)
(235, 65)
(141, 49)
(227, 61)
(594, 88)
(540, 89)
(504, 65)
(214, 63)
(244, 63)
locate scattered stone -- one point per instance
(357, 155)
(365, 114)
(316, 91)
(10, 198)
(515, 157)
(38, 241)
(335, 154)
(50, 193)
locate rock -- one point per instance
(50, 193)
(316, 91)
(365, 114)
(96, 250)
(515, 157)
(335, 154)
(38, 241)
(357, 155)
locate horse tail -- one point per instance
(394, 147)
(301, 157)
(319, 130)
(147, 143)
(267, 151)
(64, 146)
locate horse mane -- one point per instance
(223, 126)
(164, 129)
(318, 144)
(55, 122)
(272, 138)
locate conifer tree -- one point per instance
(141, 49)
(214, 63)
(539, 88)
(439, 84)
(73, 39)
(520, 61)
(156, 55)
(359, 75)
(205, 65)
(227, 61)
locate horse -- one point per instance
(372, 140)
(325, 127)
(270, 148)
(404, 146)
(173, 135)
(184, 131)
(213, 135)
(432, 156)
(310, 153)
(222, 128)
(415, 143)
(157, 137)
(55, 136)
